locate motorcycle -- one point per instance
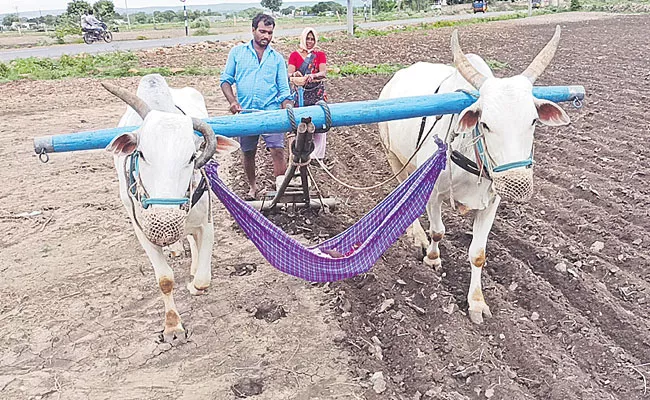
(97, 35)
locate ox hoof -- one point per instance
(175, 250)
(177, 334)
(194, 291)
(477, 315)
(422, 244)
(436, 263)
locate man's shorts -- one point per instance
(272, 141)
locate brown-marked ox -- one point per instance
(500, 124)
(158, 167)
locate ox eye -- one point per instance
(485, 127)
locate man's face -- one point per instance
(263, 34)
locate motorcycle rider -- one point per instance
(91, 24)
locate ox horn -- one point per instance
(544, 58)
(463, 65)
(210, 142)
(129, 98)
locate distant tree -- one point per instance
(77, 8)
(273, 5)
(104, 9)
(384, 5)
(325, 6)
(249, 12)
(287, 11)
(49, 20)
(141, 18)
(66, 24)
(9, 19)
(170, 16)
(575, 5)
(200, 23)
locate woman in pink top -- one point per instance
(312, 64)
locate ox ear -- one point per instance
(551, 114)
(226, 145)
(468, 119)
(123, 144)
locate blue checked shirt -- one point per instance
(261, 85)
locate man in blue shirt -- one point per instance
(260, 74)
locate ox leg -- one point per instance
(415, 230)
(481, 229)
(195, 254)
(437, 230)
(176, 249)
(165, 278)
(201, 244)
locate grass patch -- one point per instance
(353, 69)
(201, 32)
(472, 21)
(109, 65)
(496, 65)
(365, 33)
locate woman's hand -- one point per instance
(309, 78)
(297, 74)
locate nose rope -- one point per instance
(512, 181)
(135, 182)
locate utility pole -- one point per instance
(530, 8)
(187, 29)
(20, 32)
(350, 19)
(365, 10)
(128, 19)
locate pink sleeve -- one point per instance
(295, 59)
(322, 58)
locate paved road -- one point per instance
(57, 51)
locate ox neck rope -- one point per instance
(351, 252)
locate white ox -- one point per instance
(158, 171)
(501, 122)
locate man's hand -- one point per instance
(286, 103)
(297, 74)
(235, 107)
(309, 78)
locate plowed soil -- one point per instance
(567, 278)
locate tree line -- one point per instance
(105, 10)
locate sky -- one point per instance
(9, 6)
